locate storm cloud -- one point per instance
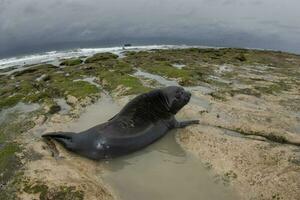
(28, 26)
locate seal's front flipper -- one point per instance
(185, 123)
(65, 138)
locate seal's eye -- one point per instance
(178, 95)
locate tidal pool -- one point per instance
(64, 107)
(20, 108)
(163, 171)
(157, 78)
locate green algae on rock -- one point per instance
(71, 62)
(112, 80)
(101, 57)
(199, 63)
(26, 86)
(58, 193)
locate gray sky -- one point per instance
(28, 26)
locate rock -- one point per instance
(71, 100)
(241, 57)
(122, 101)
(193, 111)
(100, 57)
(40, 120)
(75, 113)
(104, 83)
(57, 118)
(44, 77)
(121, 90)
(89, 100)
(86, 101)
(184, 82)
(97, 80)
(87, 67)
(71, 62)
(247, 165)
(54, 109)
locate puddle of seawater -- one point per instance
(163, 171)
(219, 79)
(90, 80)
(19, 108)
(94, 114)
(178, 66)
(64, 107)
(158, 78)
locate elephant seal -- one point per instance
(141, 122)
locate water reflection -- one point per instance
(163, 171)
(167, 149)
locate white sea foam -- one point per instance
(52, 56)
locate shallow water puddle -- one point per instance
(94, 114)
(158, 78)
(178, 66)
(163, 171)
(20, 108)
(90, 80)
(64, 107)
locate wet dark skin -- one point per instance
(145, 119)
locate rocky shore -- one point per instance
(248, 103)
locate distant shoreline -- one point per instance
(50, 56)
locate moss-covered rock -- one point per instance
(71, 62)
(274, 88)
(111, 80)
(79, 89)
(31, 85)
(241, 57)
(53, 193)
(8, 160)
(9, 166)
(10, 101)
(101, 57)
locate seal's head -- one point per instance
(176, 97)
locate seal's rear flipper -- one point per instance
(65, 138)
